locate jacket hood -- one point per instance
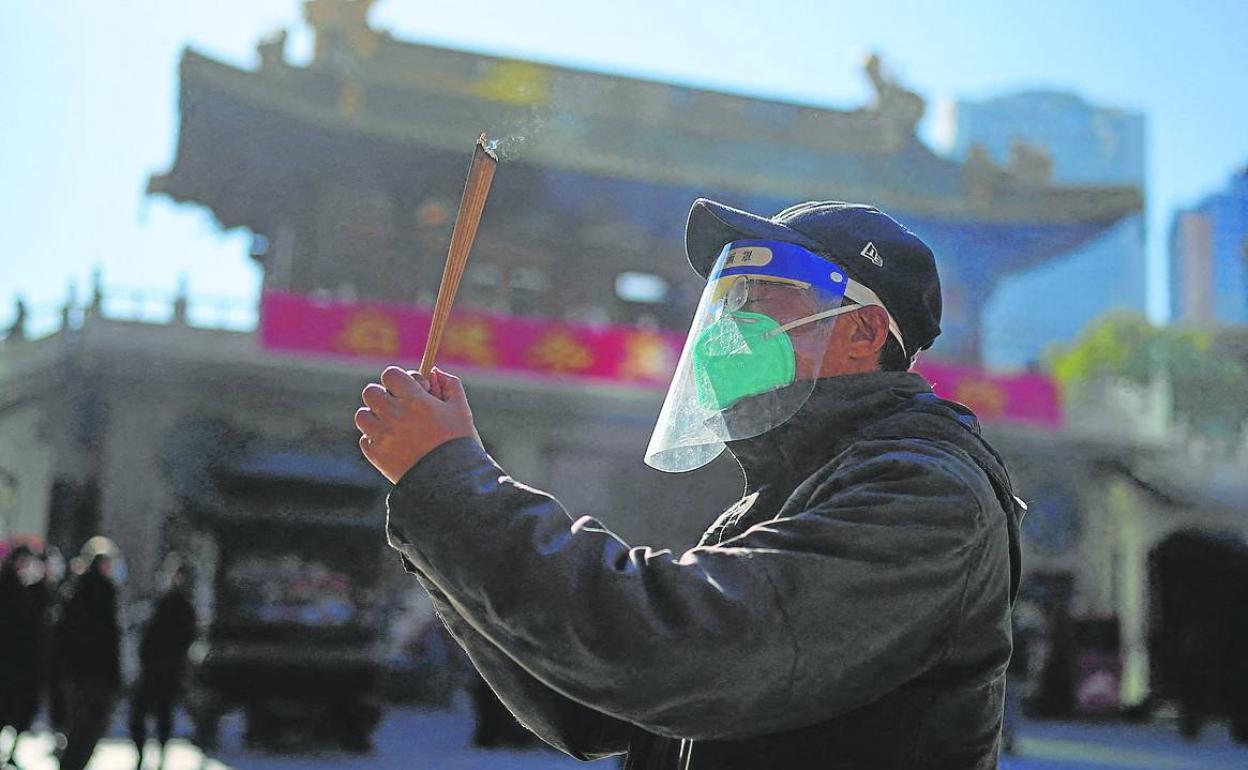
(837, 408)
(874, 405)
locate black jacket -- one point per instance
(24, 633)
(168, 635)
(24, 620)
(851, 611)
(88, 636)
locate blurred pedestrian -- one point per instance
(166, 639)
(1027, 623)
(58, 586)
(24, 634)
(89, 649)
(1237, 654)
(1203, 656)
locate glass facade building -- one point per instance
(1209, 258)
(1074, 142)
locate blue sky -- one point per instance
(88, 89)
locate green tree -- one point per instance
(1209, 387)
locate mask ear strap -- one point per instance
(855, 292)
(810, 319)
(864, 296)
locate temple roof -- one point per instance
(370, 99)
(366, 146)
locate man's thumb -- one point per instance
(451, 387)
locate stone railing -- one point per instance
(133, 304)
(1119, 410)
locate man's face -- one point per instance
(850, 346)
(781, 301)
(786, 303)
(30, 569)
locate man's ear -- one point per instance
(870, 332)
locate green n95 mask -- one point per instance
(754, 350)
(722, 376)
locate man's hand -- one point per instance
(406, 417)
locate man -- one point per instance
(850, 611)
(24, 602)
(167, 638)
(89, 650)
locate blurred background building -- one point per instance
(238, 448)
(1209, 259)
(1077, 143)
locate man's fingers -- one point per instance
(447, 386)
(421, 380)
(366, 421)
(378, 399)
(400, 383)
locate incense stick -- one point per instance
(471, 205)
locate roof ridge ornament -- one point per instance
(342, 29)
(272, 50)
(898, 107)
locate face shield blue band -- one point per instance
(777, 259)
(793, 263)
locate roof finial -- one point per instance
(97, 292)
(341, 29)
(272, 50)
(180, 301)
(17, 331)
(71, 301)
(899, 107)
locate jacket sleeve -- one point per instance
(795, 621)
(574, 729)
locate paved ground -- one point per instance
(438, 740)
(1113, 746)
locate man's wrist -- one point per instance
(452, 457)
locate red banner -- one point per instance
(1028, 399)
(612, 354)
(624, 355)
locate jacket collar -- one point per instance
(837, 407)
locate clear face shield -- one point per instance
(754, 351)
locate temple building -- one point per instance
(239, 446)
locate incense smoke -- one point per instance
(516, 133)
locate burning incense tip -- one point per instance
(490, 146)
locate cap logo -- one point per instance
(869, 251)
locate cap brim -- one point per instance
(711, 225)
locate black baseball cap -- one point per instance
(869, 245)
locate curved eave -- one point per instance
(246, 137)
